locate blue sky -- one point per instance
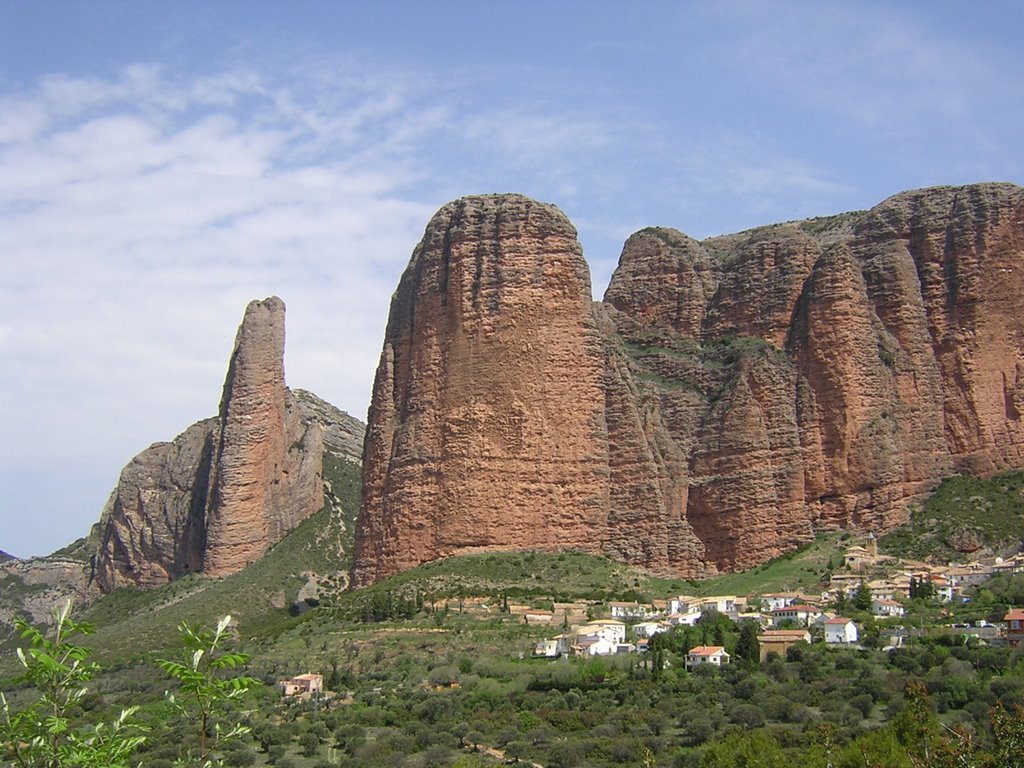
(161, 164)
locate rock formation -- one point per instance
(487, 424)
(728, 399)
(224, 491)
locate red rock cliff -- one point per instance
(486, 429)
(747, 390)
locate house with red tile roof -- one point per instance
(715, 655)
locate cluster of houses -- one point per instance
(784, 618)
(782, 626)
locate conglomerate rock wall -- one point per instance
(726, 400)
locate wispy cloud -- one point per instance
(139, 215)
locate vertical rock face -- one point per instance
(265, 472)
(746, 391)
(152, 529)
(486, 430)
(228, 488)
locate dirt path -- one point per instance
(500, 754)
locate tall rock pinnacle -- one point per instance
(265, 473)
(486, 430)
(224, 491)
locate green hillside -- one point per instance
(963, 514)
(261, 597)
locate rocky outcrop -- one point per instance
(32, 588)
(734, 396)
(266, 464)
(486, 429)
(223, 492)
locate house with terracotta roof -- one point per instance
(1014, 625)
(302, 685)
(841, 631)
(714, 655)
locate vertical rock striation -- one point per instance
(266, 468)
(486, 428)
(728, 399)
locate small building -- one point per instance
(683, 604)
(887, 608)
(800, 614)
(892, 638)
(553, 648)
(714, 655)
(611, 630)
(687, 619)
(841, 631)
(779, 641)
(594, 645)
(628, 611)
(723, 603)
(650, 628)
(857, 557)
(773, 601)
(1014, 625)
(302, 685)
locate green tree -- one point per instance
(204, 694)
(862, 600)
(746, 749)
(310, 744)
(748, 649)
(43, 733)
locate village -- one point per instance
(867, 581)
(881, 584)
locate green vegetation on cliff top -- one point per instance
(964, 514)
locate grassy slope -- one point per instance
(131, 619)
(991, 510)
(993, 507)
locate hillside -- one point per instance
(964, 515)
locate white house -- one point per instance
(548, 648)
(723, 603)
(609, 629)
(556, 646)
(776, 600)
(715, 655)
(887, 608)
(628, 610)
(684, 619)
(840, 630)
(650, 628)
(801, 615)
(592, 645)
(683, 604)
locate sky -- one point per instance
(162, 164)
